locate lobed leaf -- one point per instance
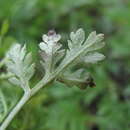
(80, 51)
(50, 51)
(20, 64)
(93, 57)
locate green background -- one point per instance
(105, 107)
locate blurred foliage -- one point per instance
(105, 107)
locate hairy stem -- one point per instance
(23, 100)
(50, 74)
(15, 110)
(47, 79)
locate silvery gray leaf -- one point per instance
(20, 64)
(78, 50)
(14, 81)
(50, 51)
(75, 51)
(29, 72)
(93, 57)
(78, 37)
(78, 78)
(27, 60)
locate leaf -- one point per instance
(93, 42)
(50, 51)
(57, 57)
(14, 81)
(77, 37)
(29, 72)
(20, 64)
(79, 78)
(22, 52)
(44, 47)
(79, 50)
(13, 68)
(27, 60)
(5, 75)
(93, 57)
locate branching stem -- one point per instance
(50, 75)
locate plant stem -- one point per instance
(47, 79)
(15, 110)
(23, 100)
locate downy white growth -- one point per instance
(50, 51)
(79, 47)
(49, 44)
(80, 51)
(20, 64)
(58, 64)
(79, 78)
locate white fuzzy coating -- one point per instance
(49, 42)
